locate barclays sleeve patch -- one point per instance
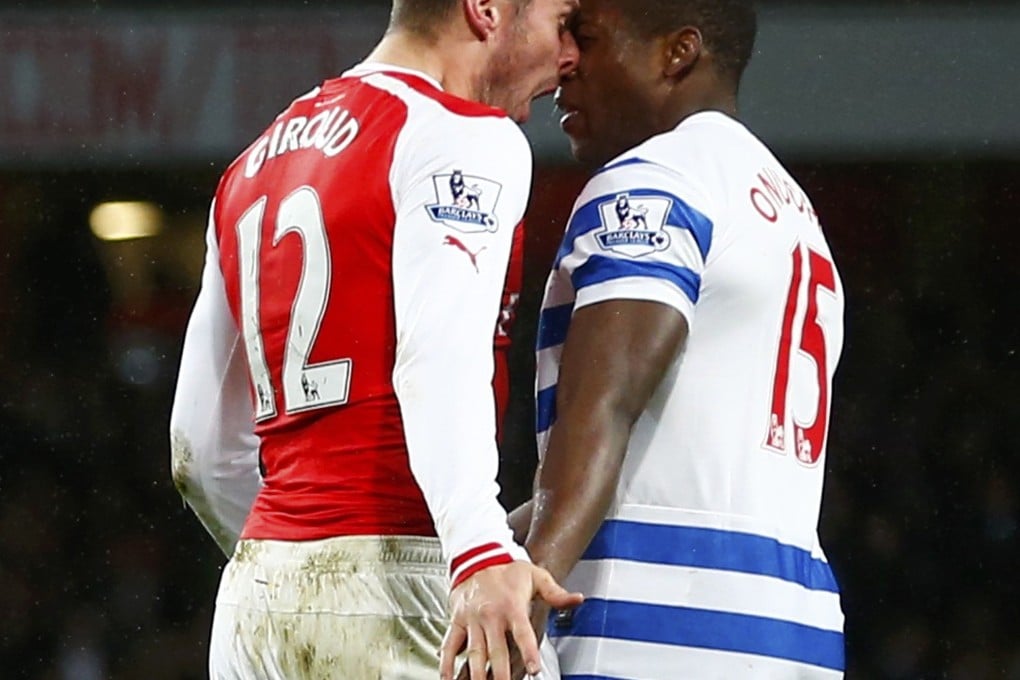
(634, 226)
(466, 203)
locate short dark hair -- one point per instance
(419, 16)
(728, 27)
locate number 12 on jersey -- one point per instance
(305, 386)
(809, 436)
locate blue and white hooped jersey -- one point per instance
(708, 564)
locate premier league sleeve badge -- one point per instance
(466, 203)
(633, 226)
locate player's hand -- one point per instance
(492, 606)
(540, 615)
(517, 669)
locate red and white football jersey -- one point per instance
(360, 248)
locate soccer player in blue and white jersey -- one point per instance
(691, 327)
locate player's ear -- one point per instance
(682, 49)
(483, 16)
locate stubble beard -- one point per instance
(503, 87)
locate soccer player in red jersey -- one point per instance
(334, 425)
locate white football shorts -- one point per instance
(353, 607)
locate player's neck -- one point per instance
(454, 64)
(692, 102)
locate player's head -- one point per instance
(520, 46)
(644, 66)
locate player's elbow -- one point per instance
(183, 470)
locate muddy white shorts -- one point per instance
(356, 608)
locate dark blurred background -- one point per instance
(899, 118)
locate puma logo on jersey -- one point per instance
(459, 245)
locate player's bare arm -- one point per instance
(614, 358)
(615, 355)
(520, 520)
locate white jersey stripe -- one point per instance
(602, 659)
(713, 589)
(548, 357)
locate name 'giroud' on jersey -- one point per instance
(330, 131)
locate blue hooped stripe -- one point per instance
(620, 164)
(545, 409)
(710, 549)
(553, 323)
(706, 629)
(681, 216)
(599, 268)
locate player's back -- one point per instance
(305, 223)
(738, 426)
(709, 558)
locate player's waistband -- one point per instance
(682, 581)
(339, 553)
(347, 575)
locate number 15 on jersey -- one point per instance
(809, 429)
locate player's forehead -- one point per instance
(596, 13)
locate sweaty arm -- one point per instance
(621, 299)
(214, 451)
(614, 357)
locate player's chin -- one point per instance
(574, 129)
(519, 111)
(523, 111)
(585, 153)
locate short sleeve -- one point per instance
(638, 231)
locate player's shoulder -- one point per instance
(449, 121)
(690, 162)
(642, 170)
(703, 142)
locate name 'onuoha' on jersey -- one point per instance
(709, 559)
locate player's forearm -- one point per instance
(575, 485)
(214, 450)
(219, 482)
(520, 520)
(451, 446)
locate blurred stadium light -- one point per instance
(123, 220)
